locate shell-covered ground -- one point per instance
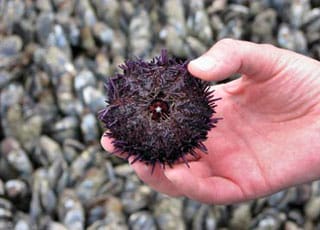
(54, 57)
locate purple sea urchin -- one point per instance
(157, 111)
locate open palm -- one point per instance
(269, 138)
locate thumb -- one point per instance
(230, 56)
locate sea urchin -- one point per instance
(157, 111)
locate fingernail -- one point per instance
(169, 174)
(203, 63)
(234, 87)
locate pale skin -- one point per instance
(269, 138)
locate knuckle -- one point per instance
(267, 46)
(226, 42)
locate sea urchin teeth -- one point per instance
(158, 109)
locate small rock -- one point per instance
(312, 208)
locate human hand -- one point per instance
(269, 138)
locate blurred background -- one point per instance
(54, 57)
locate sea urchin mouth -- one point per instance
(157, 111)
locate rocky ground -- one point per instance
(54, 57)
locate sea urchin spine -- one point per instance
(157, 111)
